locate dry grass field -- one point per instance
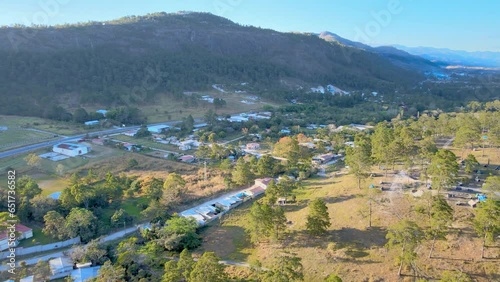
(350, 248)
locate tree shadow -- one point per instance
(339, 199)
(344, 238)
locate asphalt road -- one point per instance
(41, 145)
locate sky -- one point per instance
(458, 24)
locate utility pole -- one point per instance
(205, 164)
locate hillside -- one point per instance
(109, 63)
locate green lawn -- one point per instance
(133, 206)
(38, 239)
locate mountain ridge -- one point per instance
(100, 61)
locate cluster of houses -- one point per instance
(329, 88)
(244, 117)
(215, 208)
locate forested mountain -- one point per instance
(106, 62)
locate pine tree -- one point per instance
(318, 219)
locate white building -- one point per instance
(60, 265)
(91, 122)
(158, 128)
(71, 149)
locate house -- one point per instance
(60, 265)
(196, 216)
(309, 145)
(187, 159)
(263, 182)
(158, 128)
(207, 212)
(473, 203)
(285, 131)
(91, 122)
(128, 146)
(55, 195)
(200, 125)
(360, 127)
(281, 201)
(102, 112)
(184, 147)
(324, 158)
(84, 274)
(27, 279)
(319, 89)
(253, 146)
(238, 119)
(130, 133)
(23, 231)
(71, 149)
(255, 191)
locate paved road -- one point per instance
(33, 147)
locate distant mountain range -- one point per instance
(455, 57)
(396, 56)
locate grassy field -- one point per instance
(50, 126)
(13, 138)
(166, 107)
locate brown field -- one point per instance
(351, 249)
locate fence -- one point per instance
(42, 248)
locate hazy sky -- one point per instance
(458, 24)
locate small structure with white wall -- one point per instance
(71, 149)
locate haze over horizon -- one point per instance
(381, 22)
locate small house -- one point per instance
(473, 203)
(253, 146)
(255, 191)
(102, 112)
(263, 182)
(281, 201)
(186, 159)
